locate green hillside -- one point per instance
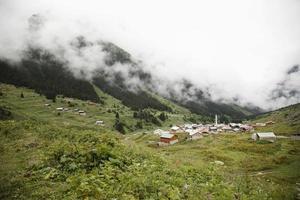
(287, 120)
(33, 106)
(46, 155)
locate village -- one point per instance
(198, 131)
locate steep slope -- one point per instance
(40, 71)
(47, 75)
(200, 104)
(24, 103)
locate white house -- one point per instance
(175, 128)
(60, 109)
(268, 136)
(99, 122)
(158, 132)
(260, 124)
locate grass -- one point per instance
(36, 135)
(287, 120)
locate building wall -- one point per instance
(168, 140)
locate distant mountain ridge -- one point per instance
(40, 70)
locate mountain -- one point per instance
(42, 71)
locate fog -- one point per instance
(242, 51)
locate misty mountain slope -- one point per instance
(199, 104)
(120, 76)
(227, 112)
(135, 100)
(118, 86)
(287, 120)
(40, 71)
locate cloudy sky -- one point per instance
(237, 48)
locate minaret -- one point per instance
(216, 120)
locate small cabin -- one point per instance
(81, 112)
(175, 128)
(236, 130)
(295, 136)
(99, 122)
(158, 132)
(60, 109)
(270, 122)
(213, 129)
(260, 124)
(267, 136)
(168, 138)
(227, 129)
(246, 128)
(195, 135)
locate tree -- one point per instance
(139, 125)
(22, 95)
(163, 116)
(117, 115)
(120, 126)
(135, 115)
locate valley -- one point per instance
(51, 154)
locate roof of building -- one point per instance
(192, 131)
(266, 134)
(166, 135)
(175, 128)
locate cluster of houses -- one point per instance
(76, 110)
(197, 131)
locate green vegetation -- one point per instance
(286, 120)
(44, 155)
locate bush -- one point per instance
(120, 126)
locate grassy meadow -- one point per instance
(46, 155)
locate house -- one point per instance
(227, 129)
(236, 129)
(47, 104)
(175, 129)
(91, 103)
(235, 125)
(268, 136)
(60, 109)
(82, 113)
(213, 129)
(99, 122)
(195, 126)
(260, 124)
(295, 136)
(168, 138)
(158, 132)
(195, 135)
(188, 126)
(246, 128)
(205, 130)
(270, 122)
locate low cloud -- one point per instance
(241, 55)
